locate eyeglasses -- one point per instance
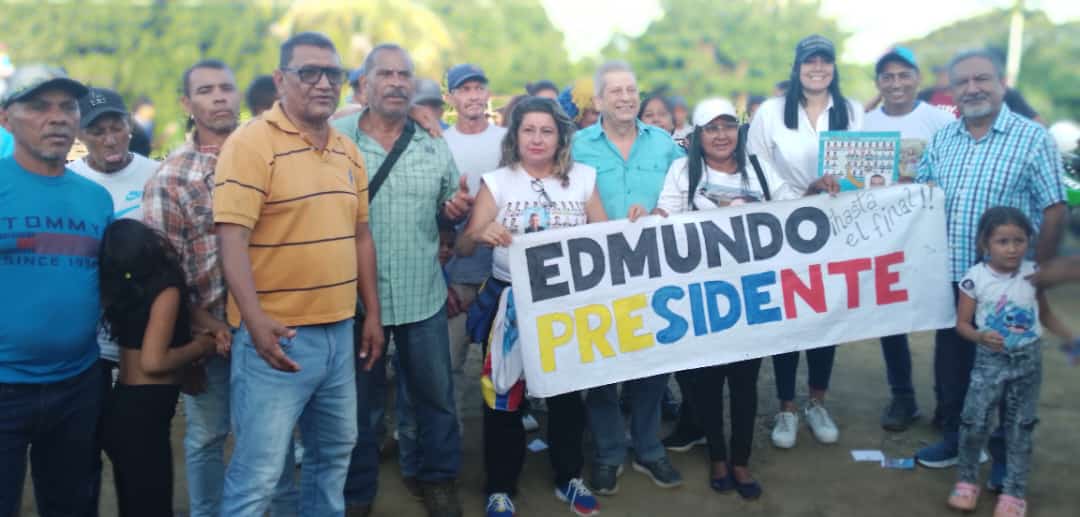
(538, 187)
(312, 74)
(713, 129)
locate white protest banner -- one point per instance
(615, 301)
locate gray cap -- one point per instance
(30, 80)
(814, 44)
(427, 92)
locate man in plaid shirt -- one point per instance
(177, 201)
(989, 157)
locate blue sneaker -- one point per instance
(944, 454)
(500, 505)
(581, 500)
(941, 455)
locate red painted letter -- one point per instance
(850, 269)
(814, 295)
(884, 279)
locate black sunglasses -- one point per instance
(312, 74)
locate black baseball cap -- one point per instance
(98, 102)
(29, 80)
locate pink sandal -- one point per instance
(1009, 506)
(964, 496)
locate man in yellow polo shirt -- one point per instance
(291, 208)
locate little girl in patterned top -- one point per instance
(1006, 310)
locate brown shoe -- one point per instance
(441, 499)
(358, 510)
(413, 487)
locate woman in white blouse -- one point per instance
(719, 172)
(784, 132)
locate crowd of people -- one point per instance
(256, 274)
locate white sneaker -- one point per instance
(785, 429)
(820, 423)
(529, 423)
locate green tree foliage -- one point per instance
(356, 27)
(703, 48)
(141, 49)
(1049, 67)
(513, 40)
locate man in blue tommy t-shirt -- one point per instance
(51, 223)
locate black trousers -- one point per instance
(706, 392)
(504, 443)
(136, 438)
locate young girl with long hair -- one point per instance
(147, 312)
(1000, 310)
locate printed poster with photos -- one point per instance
(860, 159)
(530, 217)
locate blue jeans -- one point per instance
(408, 448)
(266, 406)
(898, 365)
(56, 421)
(954, 358)
(608, 428)
(423, 354)
(207, 419)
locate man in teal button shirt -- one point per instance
(631, 159)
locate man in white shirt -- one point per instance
(105, 129)
(897, 79)
(476, 145)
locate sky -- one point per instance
(589, 24)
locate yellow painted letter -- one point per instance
(587, 336)
(545, 332)
(628, 324)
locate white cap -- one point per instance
(1066, 134)
(709, 109)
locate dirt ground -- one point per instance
(810, 480)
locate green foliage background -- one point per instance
(697, 49)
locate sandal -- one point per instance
(1009, 506)
(964, 496)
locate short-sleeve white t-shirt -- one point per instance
(523, 206)
(125, 185)
(1004, 302)
(475, 154)
(916, 129)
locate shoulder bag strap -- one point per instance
(391, 158)
(760, 177)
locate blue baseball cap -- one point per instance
(897, 54)
(461, 73)
(354, 75)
